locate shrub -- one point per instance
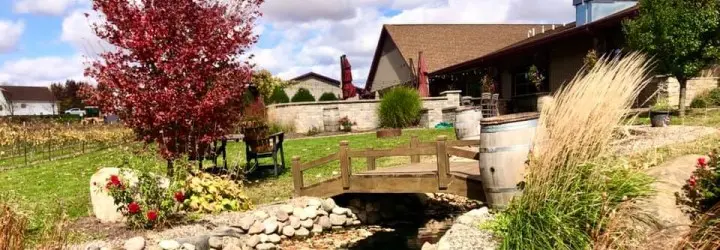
(278, 127)
(346, 124)
(313, 131)
(145, 204)
(714, 97)
(701, 101)
(400, 108)
(278, 96)
(212, 194)
(662, 104)
(303, 95)
(327, 96)
(702, 190)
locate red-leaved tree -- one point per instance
(174, 75)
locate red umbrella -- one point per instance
(348, 88)
(423, 86)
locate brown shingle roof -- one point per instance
(27, 93)
(444, 45)
(319, 76)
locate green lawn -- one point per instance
(46, 188)
(694, 117)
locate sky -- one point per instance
(46, 41)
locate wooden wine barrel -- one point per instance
(467, 123)
(505, 142)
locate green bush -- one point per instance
(400, 108)
(278, 96)
(702, 190)
(303, 95)
(327, 96)
(662, 104)
(701, 101)
(714, 97)
(212, 194)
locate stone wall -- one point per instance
(695, 86)
(305, 115)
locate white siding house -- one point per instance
(25, 100)
(316, 83)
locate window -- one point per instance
(22, 106)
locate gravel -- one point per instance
(634, 139)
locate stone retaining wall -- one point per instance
(304, 116)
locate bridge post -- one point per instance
(297, 175)
(370, 161)
(443, 162)
(414, 142)
(344, 164)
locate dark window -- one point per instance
(22, 106)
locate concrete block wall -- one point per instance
(306, 115)
(695, 87)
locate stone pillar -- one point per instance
(453, 97)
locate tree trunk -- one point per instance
(170, 169)
(683, 93)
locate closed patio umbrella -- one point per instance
(348, 89)
(423, 86)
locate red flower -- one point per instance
(152, 215)
(179, 196)
(115, 180)
(701, 162)
(133, 208)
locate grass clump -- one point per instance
(400, 108)
(303, 95)
(12, 228)
(570, 195)
(327, 96)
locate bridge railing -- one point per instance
(442, 148)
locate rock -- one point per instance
(428, 246)
(253, 241)
(314, 203)
(356, 203)
(324, 222)
(169, 244)
(137, 243)
(328, 204)
(294, 222)
(302, 232)
(246, 222)
(322, 212)
(338, 210)
(227, 231)
(215, 242)
(256, 228)
(349, 221)
(362, 216)
(364, 233)
(311, 212)
(308, 223)
(103, 204)
(467, 237)
(200, 242)
(287, 209)
(354, 210)
(356, 222)
(282, 216)
(274, 238)
(232, 243)
(288, 231)
(188, 246)
(300, 213)
(337, 220)
(370, 207)
(270, 225)
(265, 246)
(335, 228)
(316, 229)
(263, 238)
(260, 215)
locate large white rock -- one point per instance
(103, 205)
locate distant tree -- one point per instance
(303, 95)
(327, 96)
(68, 94)
(683, 35)
(175, 76)
(267, 83)
(278, 96)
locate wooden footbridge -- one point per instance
(442, 176)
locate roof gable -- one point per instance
(322, 78)
(27, 93)
(444, 45)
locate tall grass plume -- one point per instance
(12, 228)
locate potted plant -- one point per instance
(254, 125)
(346, 124)
(660, 113)
(399, 108)
(537, 79)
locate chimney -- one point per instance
(587, 11)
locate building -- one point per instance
(443, 45)
(559, 55)
(316, 83)
(25, 100)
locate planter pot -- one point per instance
(389, 132)
(660, 118)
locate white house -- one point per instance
(316, 83)
(27, 100)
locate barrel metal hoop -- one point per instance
(502, 190)
(520, 147)
(509, 126)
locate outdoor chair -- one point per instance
(486, 104)
(494, 104)
(274, 145)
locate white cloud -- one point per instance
(46, 7)
(77, 30)
(42, 70)
(11, 32)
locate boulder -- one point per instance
(274, 238)
(103, 204)
(288, 231)
(300, 213)
(314, 202)
(137, 243)
(281, 216)
(311, 212)
(288, 209)
(199, 242)
(270, 226)
(246, 222)
(232, 243)
(328, 204)
(169, 244)
(356, 222)
(308, 223)
(339, 210)
(253, 241)
(260, 215)
(349, 221)
(316, 229)
(228, 231)
(256, 228)
(337, 220)
(324, 222)
(302, 232)
(215, 242)
(322, 212)
(428, 246)
(266, 246)
(188, 246)
(263, 238)
(294, 222)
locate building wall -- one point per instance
(392, 69)
(316, 86)
(306, 115)
(565, 61)
(4, 106)
(31, 108)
